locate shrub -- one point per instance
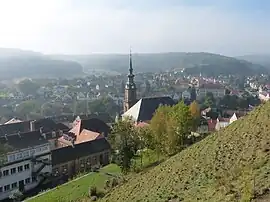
(93, 191)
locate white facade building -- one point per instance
(24, 168)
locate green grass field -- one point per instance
(77, 189)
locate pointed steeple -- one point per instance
(130, 87)
(130, 81)
(130, 63)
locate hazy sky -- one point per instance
(231, 27)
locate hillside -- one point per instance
(210, 64)
(19, 63)
(258, 59)
(230, 165)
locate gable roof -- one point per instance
(145, 108)
(65, 154)
(13, 120)
(14, 128)
(93, 124)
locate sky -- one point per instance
(230, 27)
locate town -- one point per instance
(55, 129)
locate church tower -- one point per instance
(130, 88)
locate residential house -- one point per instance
(264, 96)
(222, 123)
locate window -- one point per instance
(27, 180)
(26, 166)
(38, 149)
(20, 168)
(32, 152)
(26, 154)
(64, 168)
(7, 187)
(11, 157)
(19, 156)
(14, 185)
(34, 179)
(6, 172)
(13, 171)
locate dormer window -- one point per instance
(60, 132)
(53, 134)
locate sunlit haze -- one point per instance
(231, 27)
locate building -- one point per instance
(130, 88)
(145, 108)
(26, 164)
(45, 150)
(72, 159)
(216, 89)
(81, 149)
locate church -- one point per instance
(141, 110)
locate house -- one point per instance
(26, 164)
(264, 96)
(217, 89)
(233, 118)
(222, 123)
(144, 109)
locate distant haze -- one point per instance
(230, 27)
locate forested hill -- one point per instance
(258, 59)
(194, 63)
(18, 63)
(231, 165)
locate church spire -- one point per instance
(130, 88)
(130, 75)
(130, 63)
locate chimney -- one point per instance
(32, 125)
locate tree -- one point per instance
(193, 93)
(28, 87)
(158, 128)
(27, 107)
(209, 100)
(170, 127)
(184, 122)
(195, 113)
(16, 195)
(125, 142)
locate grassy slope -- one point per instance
(77, 189)
(230, 165)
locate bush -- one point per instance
(93, 191)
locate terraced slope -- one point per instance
(230, 165)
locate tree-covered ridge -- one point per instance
(230, 165)
(18, 63)
(195, 63)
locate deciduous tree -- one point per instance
(125, 142)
